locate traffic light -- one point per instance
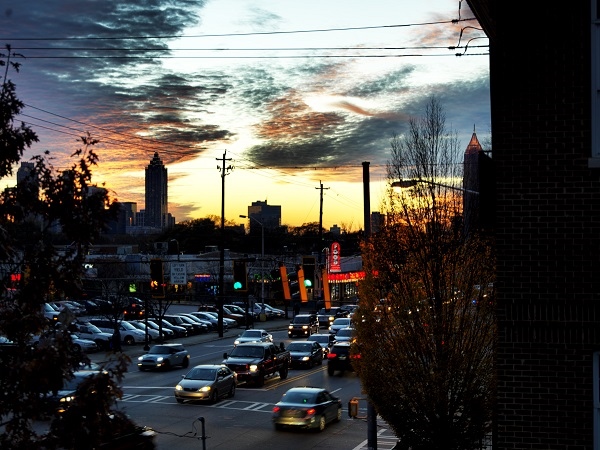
(308, 264)
(157, 278)
(240, 276)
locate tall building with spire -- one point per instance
(157, 207)
(478, 186)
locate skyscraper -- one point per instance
(156, 208)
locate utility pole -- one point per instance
(371, 413)
(221, 299)
(318, 265)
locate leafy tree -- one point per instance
(32, 271)
(426, 329)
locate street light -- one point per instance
(414, 181)
(262, 262)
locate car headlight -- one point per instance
(178, 388)
(304, 327)
(253, 368)
(159, 359)
(236, 342)
(68, 398)
(290, 327)
(140, 358)
(204, 389)
(305, 358)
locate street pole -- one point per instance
(221, 298)
(262, 261)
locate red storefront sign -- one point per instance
(335, 258)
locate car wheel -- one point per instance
(129, 340)
(330, 371)
(185, 363)
(338, 417)
(76, 348)
(231, 390)
(311, 363)
(322, 423)
(167, 365)
(179, 400)
(283, 373)
(214, 396)
(321, 361)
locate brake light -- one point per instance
(276, 409)
(331, 355)
(311, 411)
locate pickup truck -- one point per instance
(253, 361)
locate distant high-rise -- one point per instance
(156, 209)
(268, 215)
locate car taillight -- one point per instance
(276, 409)
(311, 411)
(331, 355)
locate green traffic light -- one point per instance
(307, 283)
(237, 285)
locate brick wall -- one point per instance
(548, 226)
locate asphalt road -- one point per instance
(243, 422)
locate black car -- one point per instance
(306, 407)
(325, 339)
(327, 316)
(178, 330)
(303, 325)
(339, 358)
(306, 353)
(177, 320)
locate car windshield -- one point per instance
(301, 319)
(299, 397)
(247, 352)
(320, 339)
(341, 321)
(71, 385)
(201, 373)
(93, 328)
(252, 333)
(128, 326)
(299, 347)
(345, 332)
(160, 350)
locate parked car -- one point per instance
(324, 339)
(276, 313)
(129, 334)
(178, 330)
(50, 313)
(167, 333)
(78, 344)
(164, 356)
(339, 358)
(228, 313)
(307, 407)
(177, 320)
(303, 325)
(88, 331)
(204, 326)
(152, 333)
(338, 324)
(248, 318)
(254, 335)
(210, 321)
(206, 382)
(306, 353)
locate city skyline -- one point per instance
(289, 97)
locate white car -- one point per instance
(93, 333)
(253, 336)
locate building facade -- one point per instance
(268, 215)
(547, 231)
(157, 205)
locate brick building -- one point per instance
(544, 85)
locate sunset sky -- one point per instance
(294, 94)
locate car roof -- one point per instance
(305, 389)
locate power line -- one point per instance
(181, 36)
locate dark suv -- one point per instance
(303, 325)
(339, 358)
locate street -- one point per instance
(243, 421)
